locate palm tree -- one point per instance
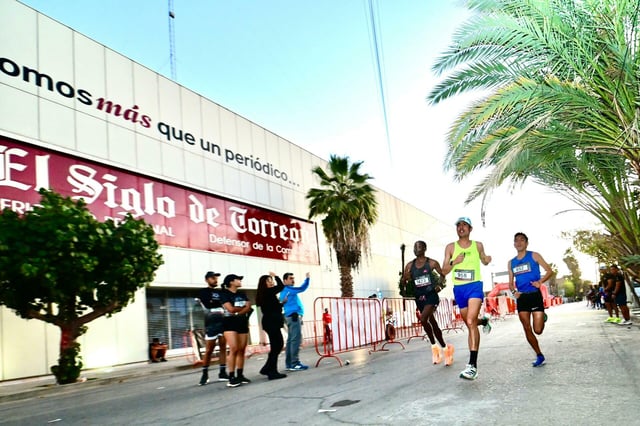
(349, 207)
(558, 84)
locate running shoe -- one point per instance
(244, 380)
(436, 354)
(223, 376)
(234, 382)
(298, 367)
(626, 322)
(617, 320)
(486, 325)
(204, 379)
(610, 319)
(448, 354)
(469, 373)
(539, 361)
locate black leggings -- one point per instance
(274, 331)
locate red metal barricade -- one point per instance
(355, 324)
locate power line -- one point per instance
(377, 47)
(172, 42)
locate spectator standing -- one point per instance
(237, 309)
(525, 283)
(463, 259)
(293, 312)
(609, 284)
(211, 300)
(620, 293)
(272, 321)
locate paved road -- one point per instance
(591, 378)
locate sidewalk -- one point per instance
(12, 390)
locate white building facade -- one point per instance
(221, 192)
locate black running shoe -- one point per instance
(204, 379)
(244, 380)
(234, 382)
(223, 376)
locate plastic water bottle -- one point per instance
(379, 293)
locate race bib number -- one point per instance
(521, 269)
(422, 281)
(239, 303)
(216, 311)
(465, 275)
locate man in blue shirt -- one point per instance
(293, 312)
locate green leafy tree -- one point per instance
(60, 265)
(580, 286)
(557, 85)
(553, 282)
(348, 205)
(569, 288)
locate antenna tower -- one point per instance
(172, 42)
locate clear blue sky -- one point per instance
(306, 71)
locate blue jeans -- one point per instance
(294, 338)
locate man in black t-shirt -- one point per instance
(619, 293)
(210, 299)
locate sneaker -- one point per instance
(486, 325)
(244, 380)
(539, 361)
(298, 367)
(616, 320)
(610, 319)
(234, 382)
(448, 354)
(626, 322)
(223, 376)
(436, 354)
(469, 373)
(204, 379)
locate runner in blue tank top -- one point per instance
(524, 269)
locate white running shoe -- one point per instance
(469, 373)
(625, 322)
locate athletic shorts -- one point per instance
(621, 299)
(430, 298)
(237, 323)
(530, 302)
(213, 326)
(463, 292)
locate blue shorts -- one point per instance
(463, 292)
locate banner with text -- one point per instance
(180, 217)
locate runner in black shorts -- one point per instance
(427, 287)
(524, 270)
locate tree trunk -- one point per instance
(346, 281)
(69, 362)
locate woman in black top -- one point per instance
(272, 321)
